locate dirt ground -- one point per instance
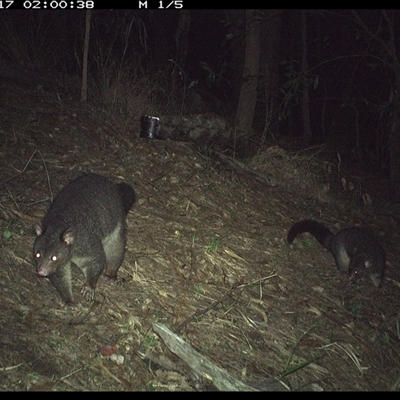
(206, 256)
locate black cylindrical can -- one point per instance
(148, 126)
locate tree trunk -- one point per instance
(248, 92)
(304, 70)
(85, 57)
(394, 150)
(270, 35)
(181, 43)
(388, 46)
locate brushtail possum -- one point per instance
(355, 250)
(84, 226)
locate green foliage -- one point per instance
(214, 244)
(235, 23)
(199, 289)
(292, 88)
(150, 341)
(214, 78)
(307, 243)
(31, 39)
(290, 366)
(355, 308)
(33, 375)
(113, 43)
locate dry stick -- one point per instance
(47, 175)
(23, 170)
(263, 177)
(198, 313)
(26, 166)
(198, 362)
(11, 367)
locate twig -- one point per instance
(198, 313)
(19, 173)
(47, 175)
(26, 166)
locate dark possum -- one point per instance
(85, 226)
(355, 250)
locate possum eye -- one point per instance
(53, 258)
(37, 255)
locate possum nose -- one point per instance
(43, 272)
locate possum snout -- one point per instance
(43, 272)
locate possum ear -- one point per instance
(38, 229)
(368, 264)
(68, 237)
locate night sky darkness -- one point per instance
(354, 80)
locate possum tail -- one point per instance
(318, 230)
(127, 195)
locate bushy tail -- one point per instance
(318, 230)
(127, 195)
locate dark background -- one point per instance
(350, 77)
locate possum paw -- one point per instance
(114, 279)
(87, 293)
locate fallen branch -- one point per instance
(199, 363)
